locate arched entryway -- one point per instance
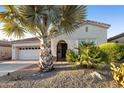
(61, 50)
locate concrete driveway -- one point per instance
(11, 66)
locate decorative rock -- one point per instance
(96, 74)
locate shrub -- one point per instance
(91, 55)
(70, 56)
(98, 56)
(115, 51)
(118, 74)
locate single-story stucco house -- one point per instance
(28, 49)
(5, 50)
(117, 39)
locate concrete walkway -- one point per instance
(18, 62)
(11, 66)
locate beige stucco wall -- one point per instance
(94, 32)
(5, 52)
(119, 40)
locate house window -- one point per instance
(81, 41)
(35, 47)
(93, 40)
(87, 40)
(86, 29)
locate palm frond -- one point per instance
(72, 17)
(10, 8)
(13, 29)
(9, 14)
(33, 14)
(37, 19)
(33, 18)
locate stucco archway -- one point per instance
(61, 50)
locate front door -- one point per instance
(61, 51)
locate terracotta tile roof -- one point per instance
(5, 43)
(116, 37)
(100, 24)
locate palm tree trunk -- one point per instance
(46, 58)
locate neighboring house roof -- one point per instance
(5, 43)
(95, 23)
(116, 37)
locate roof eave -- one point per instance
(116, 37)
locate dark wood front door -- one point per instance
(61, 51)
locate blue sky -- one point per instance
(110, 14)
(113, 15)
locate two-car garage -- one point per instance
(29, 53)
(26, 49)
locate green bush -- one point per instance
(115, 51)
(70, 56)
(91, 55)
(98, 56)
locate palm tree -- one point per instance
(43, 22)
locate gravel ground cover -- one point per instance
(64, 76)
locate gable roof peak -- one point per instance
(96, 23)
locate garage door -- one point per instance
(29, 53)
